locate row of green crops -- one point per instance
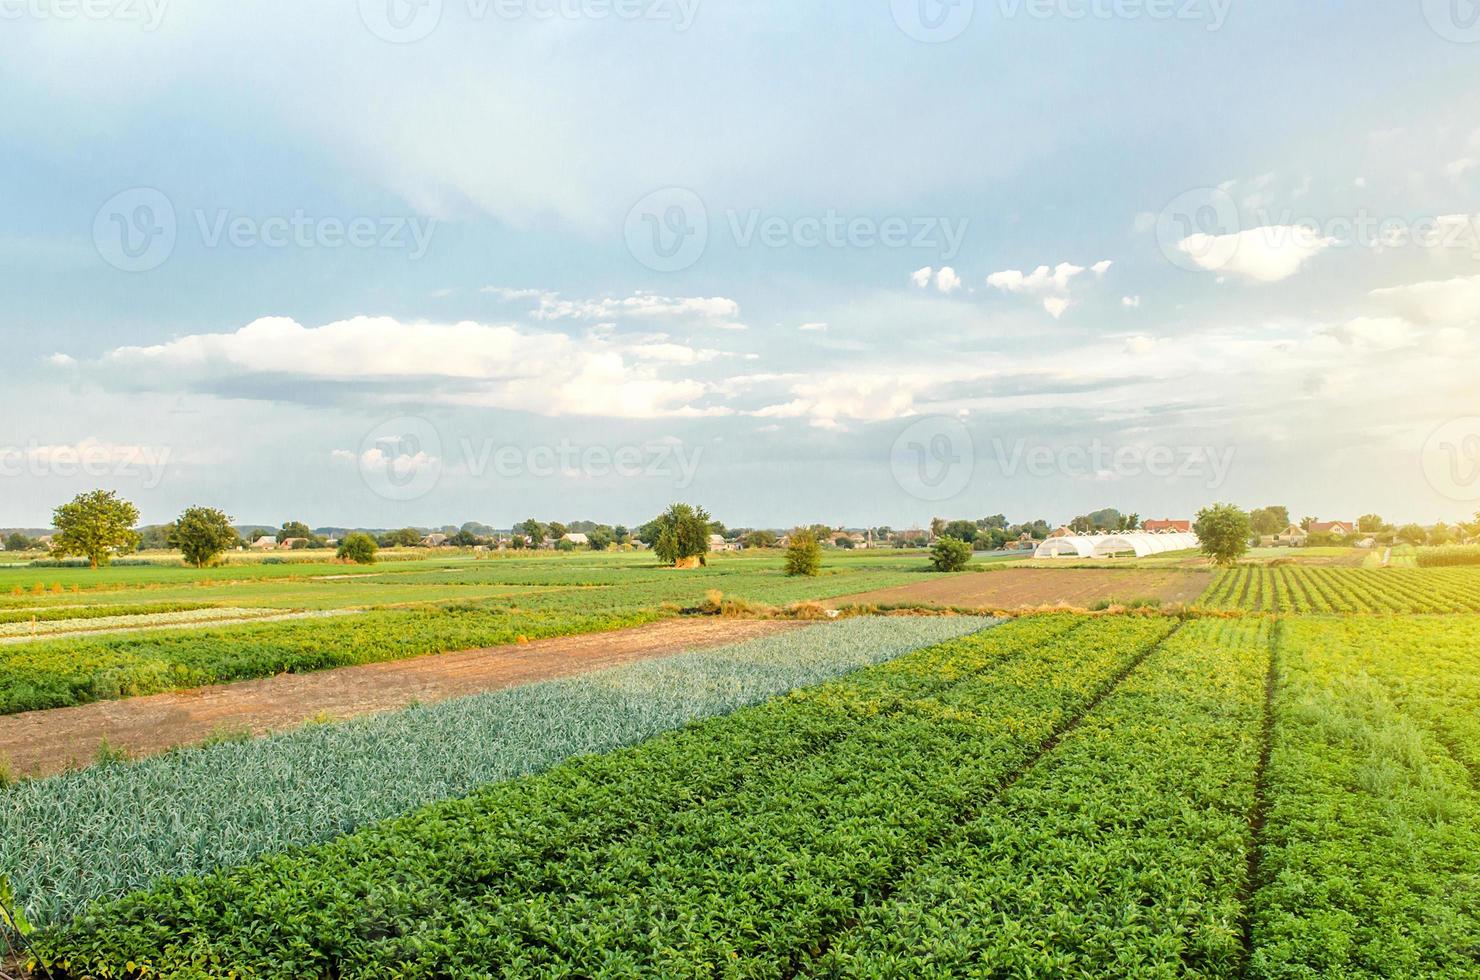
(1330, 589)
(731, 847)
(46, 614)
(1448, 556)
(1371, 854)
(498, 601)
(56, 673)
(1122, 854)
(109, 829)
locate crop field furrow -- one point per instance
(1333, 589)
(1121, 854)
(390, 894)
(1371, 849)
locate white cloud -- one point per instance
(921, 277)
(509, 294)
(947, 281)
(380, 359)
(1267, 254)
(1101, 267)
(813, 327)
(1041, 279)
(1458, 168)
(61, 360)
(1056, 305)
(1140, 344)
(1451, 302)
(1375, 333)
(1131, 302)
(637, 306)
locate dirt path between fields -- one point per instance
(41, 743)
(1014, 588)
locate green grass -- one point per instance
(103, 831)
(411, 608)
(1325, 589)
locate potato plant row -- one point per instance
(109, 829)
(1371, 854)
(735, 846)
(1122, 854)
(1328, 589)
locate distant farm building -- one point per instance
(1159, 527)
(1139, 543)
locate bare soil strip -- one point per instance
(42, 743)
(1014, 588)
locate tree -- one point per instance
(156, 537)
(844, 542)
(1440, 534)
(94, 525)
(1370, 524)
(1306, 522)
(18, 542)
(359, 548)
(202, 534)
(620, 534)
(532, 530)
(937, 527)
(464, 539)
(1412, 534)
(682, 535)
(599, 539)
(760, 539)
(961, 531)
(803, 553)
(294, 529)
(558, 530)
(950, 554)
(518, 543)
(1224, 531)
(1269, 520)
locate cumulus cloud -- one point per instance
(1375, 333)
(1041, 279)
(1268, 254)
(946, 279)
(380, 359)
(1450, 302)
(813, 327)
(1056, 305)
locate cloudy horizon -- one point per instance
(382, 264)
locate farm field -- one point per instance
(47, 742)
(1061, 795)
(1314, 589)
(1014, 587)
(401, 610)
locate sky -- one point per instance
(390, 262)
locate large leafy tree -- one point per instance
(202, 534)
(803, 553)
(682, 534)
(1269, 520)
(1223, 531)
(94, 525)
(358, 547)
(949, 554)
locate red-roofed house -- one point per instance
(1166, 525)
(1333, 527)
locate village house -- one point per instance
(578, 539)
(1163, 526)
(265, 543)
(436, 540)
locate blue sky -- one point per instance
(378, 263)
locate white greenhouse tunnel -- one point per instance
(1142, 543)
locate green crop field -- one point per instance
(393, 611)
(1282, 781)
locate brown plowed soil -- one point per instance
(40, 743)
(1014, 588)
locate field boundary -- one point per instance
(1259, 811)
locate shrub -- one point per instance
(358, 547)
(949, 554)
(803, 554)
